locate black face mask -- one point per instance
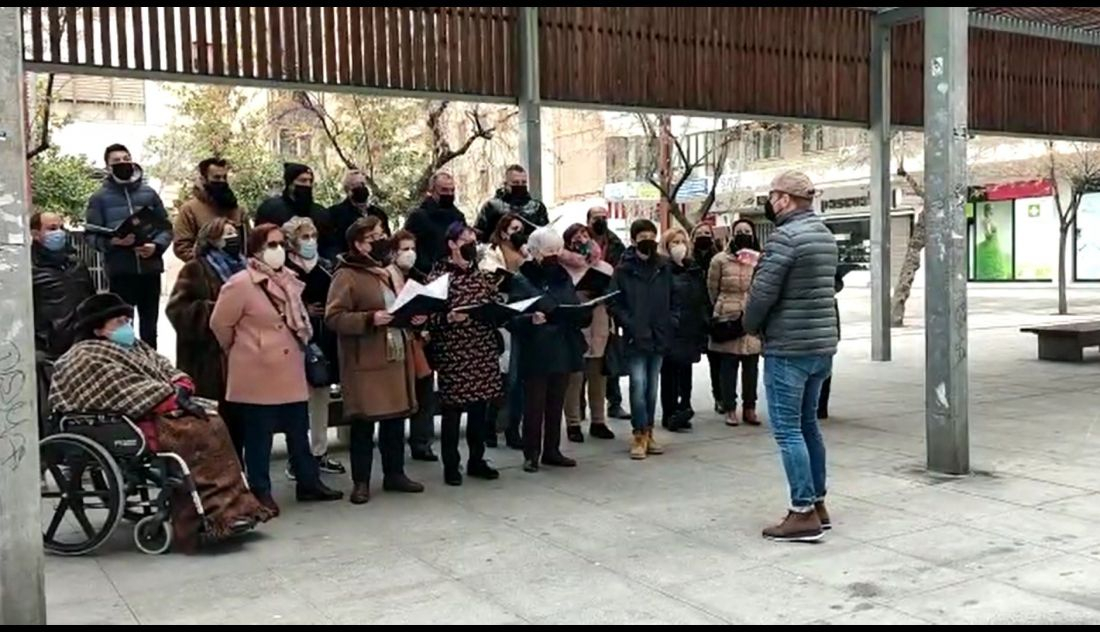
(380, 250)
(446, 201)
(704, 244)
(222, 196)
(550, 261)
(743, 242)
(360, 195)
(123, 171)
(468, 252)
(647, 247)
(518, 240)
(769, 212)
(519, 193)
(599, 226)
(303, 197)
(233, 246)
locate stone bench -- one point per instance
(1066, 342)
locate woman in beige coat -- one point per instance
(728, 282)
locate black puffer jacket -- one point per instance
(644, 306)
(531, 211)
(557, 346)
(691, 310)
(792, 300)
(429, 222)
(59, 283)
(280, 210)
(317, 283)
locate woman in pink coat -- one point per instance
(261, 324)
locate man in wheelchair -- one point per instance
(110, 371)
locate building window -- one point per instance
(813, 138)
(628, 158)
(764, 144)
(90, 98)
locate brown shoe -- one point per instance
(360, 494)
(796, 527)
(651, 445)
(269, 503)
(823, 515)
(638, 447)
(749, 415)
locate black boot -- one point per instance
(452, 476)
(401, 484)
(319, 493)
(482, 470)
(601, 431)
(513, 439)
(575, 434)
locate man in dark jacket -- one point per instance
(134, 263)
(430, 221)
(296, 200)
(59, 281)
(356, 205)
(612, 248)
(643, 310)
(513, 197)
(791, 302)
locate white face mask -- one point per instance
(274, 257)
(406, 259)
(678, 252)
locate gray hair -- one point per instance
(350, 175)
(437, 176)
(293, 229)
(545, 241)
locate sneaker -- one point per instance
(558, 460)
(330, 466)
(575, 434)
(600, 431)
(823, 515)
(402, 484)
(796, 527)
(652, 447)
(731, 419)
(531, 466)
(679, 422)
(320, 494)
(482, 470)
(617, 412)
(638, 446)
(289, 471)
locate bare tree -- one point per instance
(1079, 166)
(680, 166)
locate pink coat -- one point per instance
(266, 364)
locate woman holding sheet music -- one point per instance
(465, 352)
(377, 361)
(552, 347)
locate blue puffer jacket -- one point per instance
(109, 207)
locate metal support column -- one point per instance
(945, 129)
(22, 594)
(881, 194)
(530, 101)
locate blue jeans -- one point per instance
(261, 423)
(793, 386)
(645, 376)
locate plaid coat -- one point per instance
(98, 375)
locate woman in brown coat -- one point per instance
(466, 355)
(217, 256)
(728, 282)
(377, 372)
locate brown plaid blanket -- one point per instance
(101, 376)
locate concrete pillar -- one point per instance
(530, 101)
(22, 594)
(881, 194)
(945, 134)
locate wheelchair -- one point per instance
(96, 471)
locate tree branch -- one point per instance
(323, 117)
(442, 153)
(44, 138)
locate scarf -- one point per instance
(224, 264)
(285, 291)
(307, 265)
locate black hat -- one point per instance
(98, 309)
(291, 171)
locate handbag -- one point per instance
(727, 330)
(318, 371)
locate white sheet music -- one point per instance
(436, 289)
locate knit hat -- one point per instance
(291, 171)
(97, 309)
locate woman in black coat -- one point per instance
(316, 272)
(551, 347)
(690, 312)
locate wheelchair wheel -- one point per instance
(153, 535)
(82, 494)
